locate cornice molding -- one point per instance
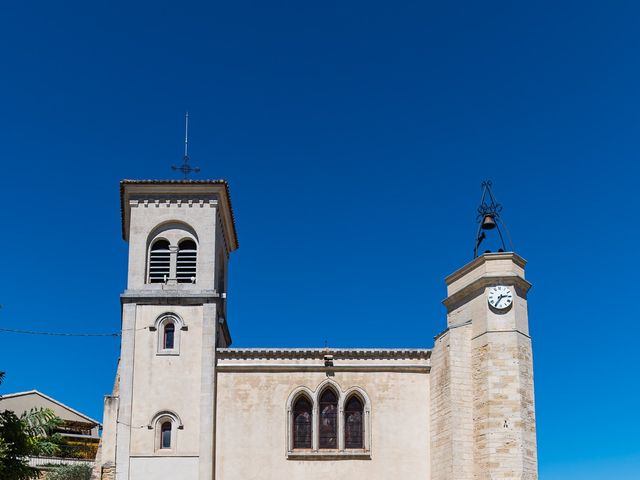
(275, 368)
(171, 296)
(477, 286)
(476, 262)
(178, 201)
(320, 353)
(187, 192)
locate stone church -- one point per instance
(186, 406)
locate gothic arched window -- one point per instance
(165, 434)
(159, 262)
(328, 427)
(187, 261)
(354, 423)
(302, 415)
(168, 339)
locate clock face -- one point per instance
(500, 297)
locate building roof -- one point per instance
(227, 199)
(286, 360)
(337, 353)
(47, 398)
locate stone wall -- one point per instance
(108, 472)
(441, 442)
(252, 424)
(452, 409)
(483, 412)
(504, 427)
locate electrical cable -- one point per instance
(59, 334)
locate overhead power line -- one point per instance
(59, 334)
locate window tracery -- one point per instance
(328, 422)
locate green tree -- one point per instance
(28, 435)
(39, 424)
(16, 447)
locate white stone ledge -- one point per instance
(275, 367)
(319, 455)
(168, 454)
(170, 296)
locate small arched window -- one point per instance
(168, 329)
(328, 434)
(165, 434)
(187, 261)
(302, 415)
(159, 262)
(354, 423)
(168, 339)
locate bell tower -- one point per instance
(159, 423)
(482, 396)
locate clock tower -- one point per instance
(483, 420)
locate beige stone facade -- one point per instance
(187, 406)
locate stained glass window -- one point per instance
(302, 413)
(328, 434)
(353, 423)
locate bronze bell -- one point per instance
(488, 223)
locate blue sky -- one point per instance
(354, 136)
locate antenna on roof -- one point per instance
(185, 168)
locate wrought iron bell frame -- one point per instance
(491, 209)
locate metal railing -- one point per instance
(69, 454)
(44, 461)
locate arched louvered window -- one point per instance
(187, 260)
(159, 262)
(165, 434)
(328, 434)
(302, 414)
(168, 339)
(354, 423)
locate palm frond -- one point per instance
(40, 422)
